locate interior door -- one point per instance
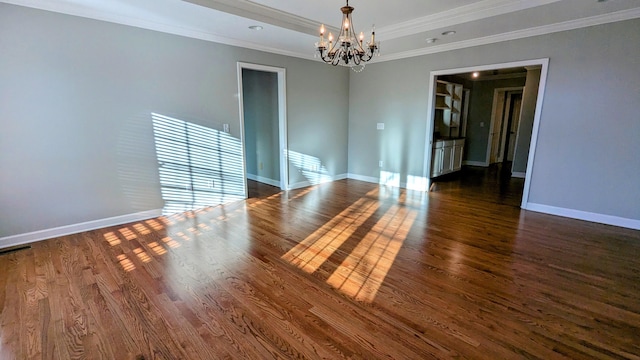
(507, 120)
(515, 123)
(497, 127)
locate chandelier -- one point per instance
(347, 49)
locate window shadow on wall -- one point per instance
(198, 166)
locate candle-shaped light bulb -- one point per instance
(322, 30)
(361, 37)
(373, 34)
(330, 37)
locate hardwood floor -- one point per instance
(258, 190)
(339, 270)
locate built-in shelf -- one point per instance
(449, 101)
(441, 103)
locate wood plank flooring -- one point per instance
(340, 270)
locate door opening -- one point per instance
(263, 123)
(505, 120)
(515, 136)
(512, 127)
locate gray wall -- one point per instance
(76, 140)
(479, 119)
(261, 133)
(392, 93)
(529, 98)
(586, 156)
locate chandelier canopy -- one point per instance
(347, 50)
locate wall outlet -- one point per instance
(380, 126)
(380, 163)
(225, 128)
(482, 124)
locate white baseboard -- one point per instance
(518, 174)
(299, 185)
(475, 163)
(264, 180)
(584, 215)
(340, 177)
(34, 236)
(326, 179)
(369, 179)
(423, 186)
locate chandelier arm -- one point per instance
(372, 51)
(326, 58)
(367, 56)
(357, 59)
(336, 58)
(330, 56)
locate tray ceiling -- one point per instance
(290, 26)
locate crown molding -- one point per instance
(252, 10)
(489, 6)
(53, 6)
(472, 12)
(519, 34)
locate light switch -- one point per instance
(482, 124)
(225, 128)
(380, 126)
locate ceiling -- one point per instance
(291, 27)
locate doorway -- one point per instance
(505, 123)
(524, 151)
(263, 122)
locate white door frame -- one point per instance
(282, 121)
(544, 63)
(494, 113)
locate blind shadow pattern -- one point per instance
(198, 166)
(310, 167)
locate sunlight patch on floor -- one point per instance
(361, 274)
(364, 269)
(313, 251)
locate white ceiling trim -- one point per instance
(519, 34)
(472, 12)
(54, 6)
(151, 25)
(262, 13)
